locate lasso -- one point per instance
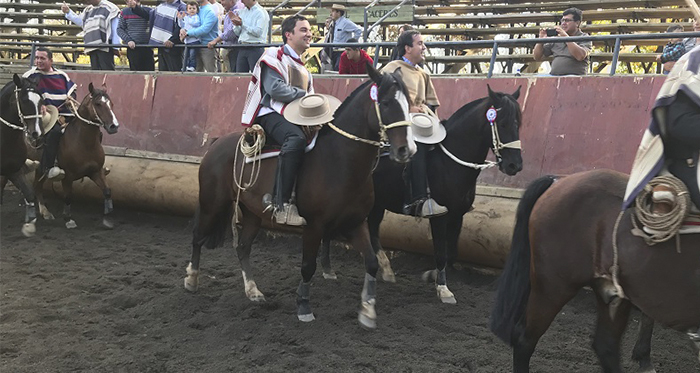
(251, 151)
(667, 225)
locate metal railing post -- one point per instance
(184, 59)
(380, 20)
(365, 32)
(376, 56)
(493, 59)
(616, 55)
(31, 57)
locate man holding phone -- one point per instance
(568, 58)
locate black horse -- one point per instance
(334, 188)
(453, 167)
(20, 104)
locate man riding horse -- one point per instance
(55, 86)
(279, 77)
(424, 101)
(673, 137)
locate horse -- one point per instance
(334, 188)
(570, 233)
(80, 153)
(453, 167)
(20, 104)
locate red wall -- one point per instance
(569, 124)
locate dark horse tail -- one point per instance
(216, 234)
(508, 313)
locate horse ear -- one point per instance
(17, 80)
(91, 89)
(492, 95)
(375, 75)
(516, 94)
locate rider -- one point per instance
(279, 77)
(55, 87)
(676, 121)
(423, 99)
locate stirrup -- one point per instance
(55, 174)
(288, 215)
(431, 209)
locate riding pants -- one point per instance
(417, 180)
(51, 141)
(293, 142)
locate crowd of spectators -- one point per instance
(205, 25)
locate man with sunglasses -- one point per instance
(568, 58)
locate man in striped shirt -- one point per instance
(55, 87)
(99, 21)
(135, 30)
(165, 31)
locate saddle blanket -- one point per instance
(271, 151)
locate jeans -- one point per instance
(191, 57)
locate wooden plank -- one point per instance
(522, 58)
(464, 8)
(42, 26)
(616, 28)
(36, 37)
(31, 15)
(601, 15)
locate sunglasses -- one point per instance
(567, 20)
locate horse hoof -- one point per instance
(330, 275)
(445, 295)
(367, 322)
(70, 224)
(306, 318)
(449, 300)
(48, 216)
(107, 224)
(257, 297)
(389, 277)
(191, 285)
(429, 276)
(28, 229)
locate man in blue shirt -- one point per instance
(342, 30)
(206, 32)
(251, 26)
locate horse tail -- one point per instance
(216, 231)
(508, 313)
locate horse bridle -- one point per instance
(496, 144)
(75, 110)
(23, 118)
(383, 138)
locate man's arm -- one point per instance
(71, 16)
(277, 88)
(343, 66)
(208, 22)
(116, 39)
(538, 51)
(355, 29)
(259, 25)
(141, 11)
(123, 31)
(577, 51)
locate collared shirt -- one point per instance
(344, 29)
(55, 87)
(228, 37)
(408, 61)
(254, 26)
(563, 63)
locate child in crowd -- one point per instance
(190, 21)
(673, 51)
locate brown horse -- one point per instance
(334, 189)
(19, 115)
(563, 240)
(80, 153)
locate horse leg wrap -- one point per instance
(368, 315)
(304, 312)
(30, 212)
(109, 207)
(441, 278)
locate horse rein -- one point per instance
(383, 139)
(73, 110)
(23, 118)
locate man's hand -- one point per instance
(212, 43)
(43, 110)
(415, 109)
(231, 15)
(181, 14)
(168, 44)
(236, 20)
(64, 8)
(543, 33)
(183, 34)
(131, 44)
(561, 32)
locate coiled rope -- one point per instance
(664, 226)
(252, 151)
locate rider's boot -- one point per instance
(48, 158)
(420, 204)
(285, 212)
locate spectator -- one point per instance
(342, 29)
(207, 31)
(220, 12)
(690, 43)
(673, 51)
(327, 52)
(396, 53)
(569, 58)
(228, 37)
(354, 60)
(55, 87)
(165, 32)
(422, 99)
(190, 21)
(100, 21)
(251, 27)
(136, 30)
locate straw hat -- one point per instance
(338, 7)
(49, 118)
(311, 110)
(427, 129)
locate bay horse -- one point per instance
(334, 189)
(80, 153)
(453, 167)
(20, 105)
(564, 240)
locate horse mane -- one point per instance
(339, 111)
(509, 104)
(9, 87)
(386, 82)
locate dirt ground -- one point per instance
(95, 300)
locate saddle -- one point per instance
(271, 148)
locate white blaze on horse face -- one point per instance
(109, 105)
(35, 98)
(403, 101)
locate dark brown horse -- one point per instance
(80, 153)
(563, 241)
(19, 115)
(334, 189)
(453, 167)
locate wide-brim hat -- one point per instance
(48, 120)
(311, 110)
(427, 129)
(338, 7)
